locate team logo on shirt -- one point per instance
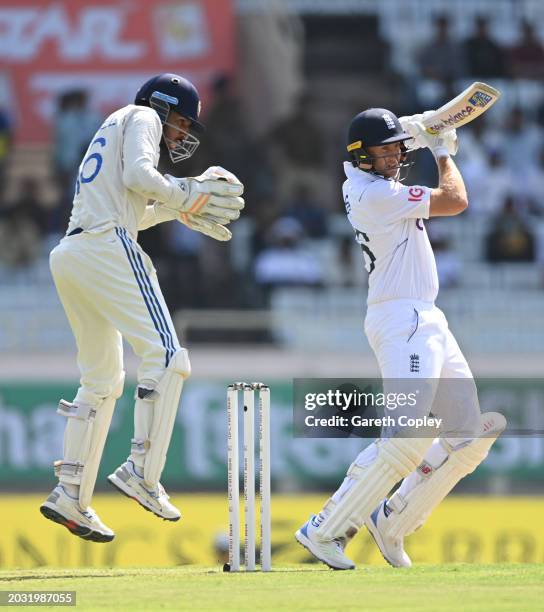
(416, 194)
(414, 362)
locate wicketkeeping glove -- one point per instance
(206, 226)
(216, 192)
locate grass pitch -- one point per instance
(425, 588)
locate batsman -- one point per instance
(410, 338)
(109, 290)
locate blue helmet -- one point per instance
(373, 127)
(170, 92)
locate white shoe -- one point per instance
(155, 500)
(330, 552)
(392, 549)
(61, 508)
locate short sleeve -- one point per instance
(385, 202)
(392, 201)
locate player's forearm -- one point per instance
(450, 198)
(155, 214)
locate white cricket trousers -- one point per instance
(411, 340)
(398, 329)
(109, 290)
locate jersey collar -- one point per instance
(357, 173)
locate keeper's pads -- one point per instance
(160, 406)
(84, 439)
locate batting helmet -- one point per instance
(373, 127)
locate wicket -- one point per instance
(233, 468)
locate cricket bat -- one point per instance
(469, 104)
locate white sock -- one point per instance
(139, 471)
(72, 490)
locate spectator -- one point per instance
(526, 58)
(227, 142)
(299, 137)
(348, 270)
(267, 210)
(180, 267)
(474, 144)
(540, 118)
(519, 142)
(485, 57)
(298, 149)
(510, 239)
(286, 263)
(74, 126)
(473, 161)
(20, 240)
(488, 183)
(306, 211)
(30, 205)
(448, 264)
(372, 45)
(5, 147)
(442, 58)
(533, 186)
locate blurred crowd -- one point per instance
(284, 236)
(502, 162)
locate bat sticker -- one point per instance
(480, 99)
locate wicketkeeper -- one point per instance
(410, 338)
(109, 290)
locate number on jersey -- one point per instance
(370, 258)
(91, 165)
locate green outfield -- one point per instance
(425, 588)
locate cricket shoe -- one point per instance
(330, 552)
(392, 549)
(155, 500)
(65, 510)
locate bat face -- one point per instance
(468, 105)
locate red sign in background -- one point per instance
(108, 47)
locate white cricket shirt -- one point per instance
(387, 218)
(118, 173)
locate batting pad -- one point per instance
(84, 440)
(411, 511)
(165, 399)
(396, 458)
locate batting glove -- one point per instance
(440, 145)
(409, 124)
